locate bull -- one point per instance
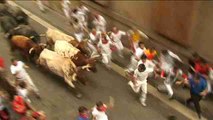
(67, 50)
(3, 10)
(55, 35)
(61, 66)
(7, 23)
(26, 46)
(25, 30)
(20, 16)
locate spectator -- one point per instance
(99, 111)
(83, 113)
(116, 36)
(93, 40)
(198, 89)
(1, 63)
(4, 113)
(136, 57)
(19, 105)
(139, 81)
(104, 49)
(32, 115)
(18, 70)
(99, 23)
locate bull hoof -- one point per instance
(79, 95)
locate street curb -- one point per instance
(153, 91)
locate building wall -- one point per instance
(171, 19)
(202, 37)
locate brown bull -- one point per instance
(67, 50)
(26, 46)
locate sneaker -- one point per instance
(143, 104)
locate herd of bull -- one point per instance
(61, 54)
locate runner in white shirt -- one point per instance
(99, 23)
(93, 40)
(98, 112)
(84, 10)
(79, 30)
(148, 63)
(116, 36)
(80, 16)
(18, 70)
(104, 48)
(136, 57)
(66, 8)
(140, 82)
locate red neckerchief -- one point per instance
(83, 115)
(102, 108)
(104, 41)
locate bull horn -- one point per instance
(30, 51)
(42, 35)
(42, 44)
(74, 77)
(31, 37)
(95, 56)
(87, 67)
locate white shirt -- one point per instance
(79, 16)
(116, 37)
(105, 48)
(99, 115)
(141, 76)
(18, 70)
(100, 21)
(166, 62)
(83, 9)
(65, 4)
(94, 38)
(148, 64)
(139, 52)
(22, 92)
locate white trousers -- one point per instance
(169, 89)
(79, 36)
(67, 13)
(136, 88)
(92, 48)
(133, 64)
(119, 46)
(30, 84)
(106, 58)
